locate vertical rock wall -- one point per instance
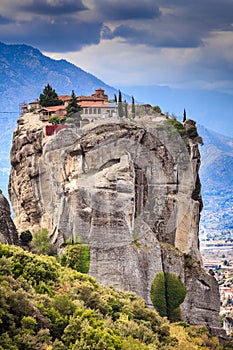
(131, 191)
(8, 232)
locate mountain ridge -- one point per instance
(24, 72)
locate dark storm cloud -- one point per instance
(4, 20)
(209, 14)
(152, 36)
(68, 25)
(55, 7)
(57, 36)
(183, 24)
(126, 10)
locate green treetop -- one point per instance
(184, 116)
(49, 97)
(133, 107)
(120, 105)
(73, 106)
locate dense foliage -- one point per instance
(56, 119)
(46, 306)
(73, 106)
(120, 105)
(175, 124)
(77, 256)
(49, 97)
(167, 293)
(40, 243)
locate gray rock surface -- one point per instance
(8, 232)
(131, 191)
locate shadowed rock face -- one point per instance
(131, 191)
(8, 232)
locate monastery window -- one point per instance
(94, 111)
(90, 110)
(99, 110)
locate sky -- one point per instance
(176, 43)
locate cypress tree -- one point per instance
(133, 107)
(126, 109)
(120, 106)
(73, 106)
(184, 116)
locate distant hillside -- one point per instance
(217, 159)
(24, 71)
(217, 184)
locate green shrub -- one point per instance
(167, 293)
(56, 119)
(40, 242)
(156, 109)
(192, 132)
(25, 237)
(173, 123)
(80, 313)
(77, 257)
(158, 294)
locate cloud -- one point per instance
(160, 23)
(54, 7)
(64, 34)
(155, 35)
(207, 67)
(180, 24)
(121, 10)
(4, 20)
(157, 41)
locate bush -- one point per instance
(77, 257)
(192, 132)
(156, 109)
(177, 125)
(41, 243)
(56, 119)
(80, 313)
(167, 293)
(25, 237)
(158, 294)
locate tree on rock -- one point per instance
(184, 116)
(126, 108)
(73, 111)
(73, 106)
(120, 105)
(167, 293)
(49, 97)
(133, 107)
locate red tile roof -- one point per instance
(64, 98)
(53, 108)
(93, 104)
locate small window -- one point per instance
(94, 111)
(99, 111)
(90, 110)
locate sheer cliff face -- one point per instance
(8, 232)
(131, 191)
